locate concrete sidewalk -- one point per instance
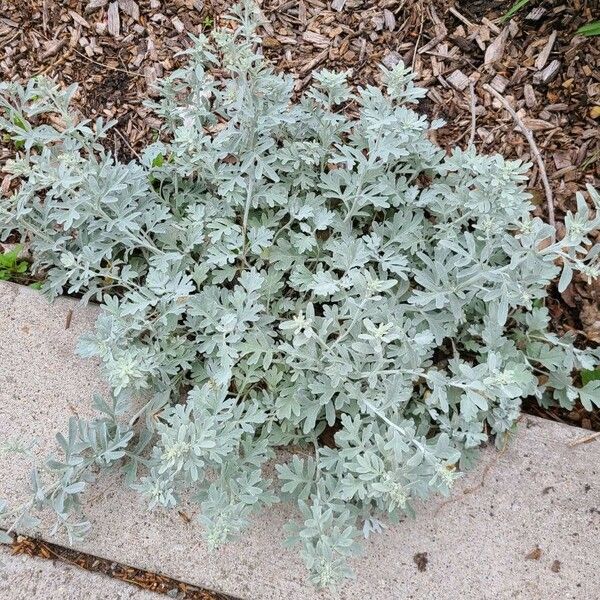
(531, 532)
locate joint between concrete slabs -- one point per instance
(26, 578)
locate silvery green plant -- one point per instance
(312, 277)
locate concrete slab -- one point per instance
(539, 494)
(27, 578)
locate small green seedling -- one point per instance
(12, 267)
(590, 29)
(513, 10)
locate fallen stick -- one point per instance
(473, 116)
(584, 440)
(534, 150)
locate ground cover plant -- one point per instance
(315, 276)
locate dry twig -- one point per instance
(534, 150)
(109, 67)
(584, 440)
(473, 121)
(125, 141)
